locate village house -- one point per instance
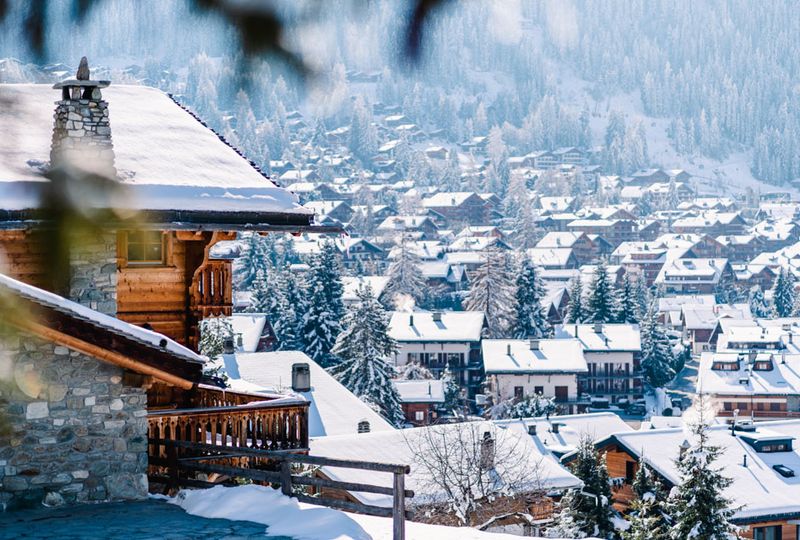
(586, 248)
(761, 460)
(459, 208)
(612, 357)
(438, 339)
(517, 369)
(421, 400)
(694, 276)
(613, 231)
(93, 389)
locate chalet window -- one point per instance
(518, 392)
(763, 365)
(419, 415)
(145, 247)
(772, 532)
(630, 471)
(538, 390)
(728, 406)
(774, 407)
(774, 447)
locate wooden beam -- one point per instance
(103, 354)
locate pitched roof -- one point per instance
(422, 326)
(517, 356)
(610, 337)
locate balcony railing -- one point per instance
(212, 289)
(231, 420)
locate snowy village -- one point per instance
(399, 269)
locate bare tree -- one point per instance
(474, 470)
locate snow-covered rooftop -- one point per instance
(334, 410)
(420, 391)
(603, 337)
(519, 356)
(424, 326)
(166, 157)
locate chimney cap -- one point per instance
(81, 79)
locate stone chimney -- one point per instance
(82, 133)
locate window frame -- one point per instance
(123, 252)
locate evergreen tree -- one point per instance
(289, 322)
(531, 316)
(783, 294)
(697, 506)
(253, 259)
(576, 313)
(601, 303)
(657, 358)
(213, 333)
(590, 509)
(364, 347)
(452, 390)
(322, 322)
(261, 297)
(627, 303)
(414, 371)
(565, 524)
(758, 304)
(530, 406)
(405, 276)
(492, 292)
(647, 518)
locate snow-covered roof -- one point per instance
(250, 326)
(420, 391)
(447, 199)
(166, 158)
(107, 322)
(757, 490)
(351, 285)
(424, 326)
(401, 446)
(603, 337)
(334, 410)
(519, 356)
(781, 380)
(695, 270)
(550, 257)
(556, 239)
(570, 429)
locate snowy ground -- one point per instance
(287, 517)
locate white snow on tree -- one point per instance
(213, 333)
(492, 292)
(647, 518)
(288, 321)
(528, 407)
(758, 304)
(657, 356)
(405, 276)
(601, 305)
(576, 311)
(414, 371)
(564, 522)
(364, 347)
(530, 315)
(627, 303)
(452, 390)
(697, 506)
(783, 294)
(252, 261)
(322, 322)
(590, 508)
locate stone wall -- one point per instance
(73, 432)
(93, 271)
(82, 135)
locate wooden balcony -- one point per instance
(212, 289)
(227, 419)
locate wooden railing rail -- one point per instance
(212, 289)
(181, 457)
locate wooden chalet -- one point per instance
(125, 295)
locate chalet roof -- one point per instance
(169, 162)
(422, 326)
(334, 410)
(604, 337)
(400, 446)
(420, 391)
(352, 284)
(517, 356)
(782, 380)
(149, 350)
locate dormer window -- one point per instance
(762, 365)
(725, 366)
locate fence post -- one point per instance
(399, 507)
(286, 477)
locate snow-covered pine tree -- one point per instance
(657, 357)
(590, 509)
(758, 304)
(528, 407)
(322, 322)
(288, 325)
(492, 292)
(364, 347)
(627, 303)
(783, 295)
(601, 305)
(565, 524)
(697, 506)
(452, 390)
(405, 276)
(576, 312)
(647, 519)
(414, 371)
(252, 261)
(642, 296)
(213, 333)
(530, 315)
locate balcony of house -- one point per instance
(212, 289)
(213, 416)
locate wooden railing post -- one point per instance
(399, 507)
(286, 477)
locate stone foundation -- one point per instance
(73, 433)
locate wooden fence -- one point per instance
(181, 459)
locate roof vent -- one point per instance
(598, 328)
(227, 346)
(534, 344)
(437, 316)
(508, 349)
(532, 430)
(363, 426)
